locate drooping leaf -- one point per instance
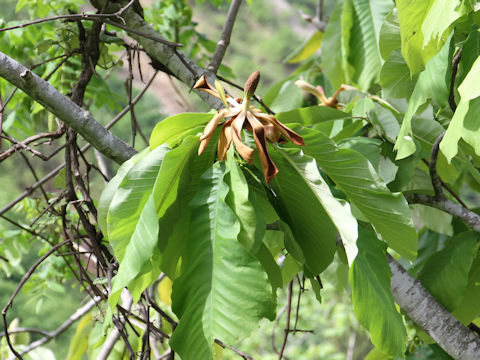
(395, 76)
(306, 49)
(109, 192)
(389, 34)
(370, 278)
(223, 291)
(445, 275)
(305, 203)
(364, 51)
(431, 84)
(130, 199)
(467, 309)
(458, 127)
(355, 176)
(244, 205)
(138, 253)
(175, 128)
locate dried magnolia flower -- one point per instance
(320, 93)
(238, 114)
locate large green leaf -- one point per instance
(244, 205)
(335, 44)
(467, 309)
(395, 76)
(109, 192)
(445, 275)
(465, 121)
(411, 17)
(365, 34)
(432, 84)
(305, 203)
(130, 199)
(355, 176)
(175, 128)
(141, 253)
(176, 185)
(373, 302)
(223, 292)
(311, 115)
(389, 34)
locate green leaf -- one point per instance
(431, 84)
(449, 143)
(307, 49)
(390, 34)
(305, 203)
(244, 205)
(223, 292)
(395, 77)
(130, 198)
(335, 44)
(288, 97)
(79, 341)
(364, 52)
(174, 129)
(138, 254)
(354, 175)
(445, 275)
(311, 115)
(467, 309)
(370, 278)
(109, 192)
(416, 49)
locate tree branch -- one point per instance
(63, 108)
(471, 218)
(432, 317)
(224, 37)
(55, 333)
(180, 66)
(432, 167)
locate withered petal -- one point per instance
(269, 168)
(287, 132)
(203, 146)
(237, 125)
(203, 85)
(225, 140)
(212, 124)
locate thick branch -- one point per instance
(432, 317)
(471, 218)
(182, 67)
(62, 107)
(224, 37)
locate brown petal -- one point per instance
(203, 146)
(212, 124)
(244, 151)
(287, 132)
(225, 140)
(203, 85)
(269, 168)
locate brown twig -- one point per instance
(224, 36)
(451, 96)
(432, 167)
(287, 326)
(95, 17)
(19, 287)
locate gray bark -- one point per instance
(65, 109)
(426, 312)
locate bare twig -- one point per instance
(432, 166)
(235, 350)
(96, 17)
(287, 326)
(224, 36)
(55, 333)
(451, 96)
(19, 287)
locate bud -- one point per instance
(251, 84)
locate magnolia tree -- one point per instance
(367, 153)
